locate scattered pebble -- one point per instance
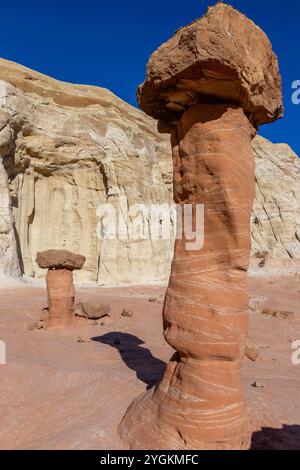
(277, 313)
(258, 384)
(251, 350)
(286, 314)
(127, 312)
(35, 326)
(82, 339)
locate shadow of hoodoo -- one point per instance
(148, 368)
(287, 438)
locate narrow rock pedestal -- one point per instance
(200, 399)
(199, 403)
(60, 288)
(61, 295)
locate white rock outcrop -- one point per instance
(276, 210)
(9, 259)
(72, 149)
(68, 149)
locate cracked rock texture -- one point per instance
(66, 149)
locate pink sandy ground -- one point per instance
(58, 393)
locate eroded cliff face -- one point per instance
(69, 149)
(276, 210)
(9, 260)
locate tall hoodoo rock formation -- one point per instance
(60, 288)
(211, 85)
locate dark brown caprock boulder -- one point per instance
(60, 287)
(59, 259)
(211, 86)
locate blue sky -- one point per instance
(108, 43)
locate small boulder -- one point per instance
(83, 339)
(277, 313)
(258, 384)
(255, 307)
(271, 312)
(262, 263)
(251, 350)
(127, 312)
(91, 310)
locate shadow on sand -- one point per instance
(148, 368)
(287, 438)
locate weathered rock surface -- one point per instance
(199, 402)
(275, 225)
(222, 55)
(60, 259)
(9, 262)
(67, 149)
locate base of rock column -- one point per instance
(61, 294)
(150, 422)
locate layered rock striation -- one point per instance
(199, 402)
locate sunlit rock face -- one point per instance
(275, 227)
(212, 85)
(67, 149)
(9, 260)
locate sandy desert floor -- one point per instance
(59, 393)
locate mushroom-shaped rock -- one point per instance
(212, 84)
(221, 57)
(59, 259)
(60, 287)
